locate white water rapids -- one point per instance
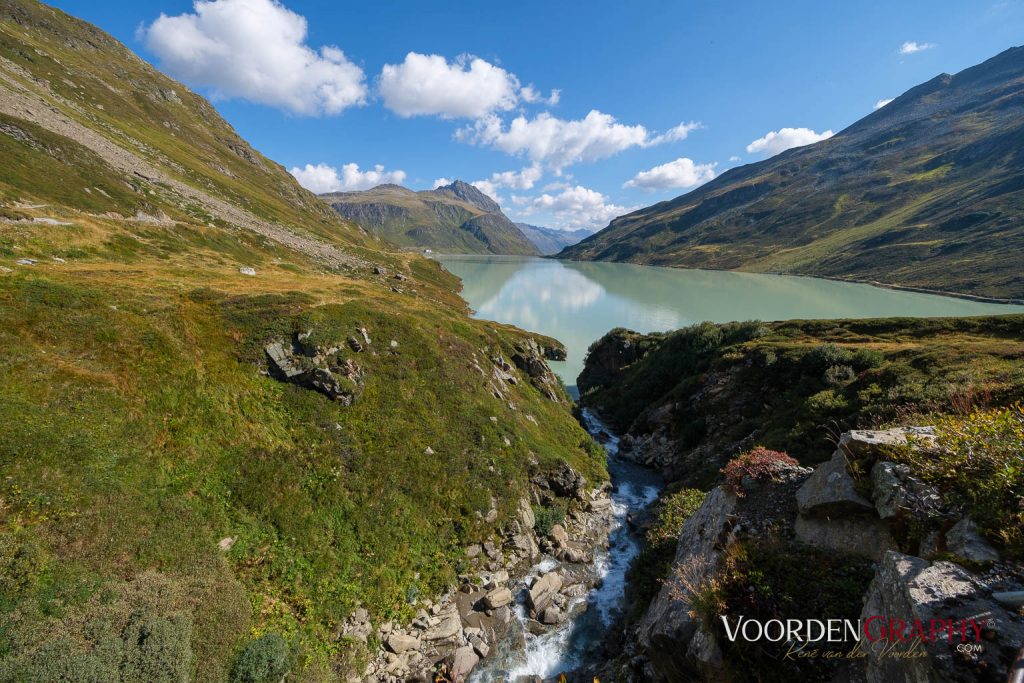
(567, 646)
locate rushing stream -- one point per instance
(572, 644)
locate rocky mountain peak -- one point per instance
(469, 194)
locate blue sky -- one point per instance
(440, 90)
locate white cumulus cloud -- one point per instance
(735, 158)
(441, 182)
(558, 143)
(911, 46)
(574, 207)
(531, 95)
(468, 87)
(323, 178)
(255, 50)
(786, 138)
(881, 103)
(680, 173)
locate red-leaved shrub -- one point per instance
(757, 463)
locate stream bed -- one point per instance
(576, 642)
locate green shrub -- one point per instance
(264, 660)
(157, 650)
(651, 566)
(825, 355)
(978, 463)
(839, 374)
(866, 359)
(546, 517)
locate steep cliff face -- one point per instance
(927, 192)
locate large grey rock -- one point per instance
(543, 592)
(898, 493)
(463, 662)
(399, 643)
(677, 644)
(857, 535)
(910, 588)
(965, 541)
(871, 444)
(499, 597)
(526, 515)
(830, 490)
(559, 535)
(447, 629)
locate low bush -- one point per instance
(757, 463)
(264, 660)
(978, 464)
(546, 517)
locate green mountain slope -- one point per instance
(926, 192)
(165, 499)
(456, 218)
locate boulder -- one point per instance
(447, 629)
(463, 662)
(543, 592)
(857, 535)
(499, 597)
(247, 270)
(830, 490)
(911, 589)
(860, 444)
(559, 535)
(399, 643)
(551, 616)
(526, 515)
(898, 493)
(964, 540)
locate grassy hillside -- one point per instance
(454, 219)
(716, 390)
(926, 192)
(164, 503)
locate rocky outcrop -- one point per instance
(982, 639)
(859, 503)
(314, 366)
(530, 358)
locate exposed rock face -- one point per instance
(832, 509)
(910, 588)
(529, 357)
(315, 367)
(677, 644)
(831, 490)
(963, 540)
(898, 493)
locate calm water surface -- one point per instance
(577, 302)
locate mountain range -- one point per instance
(926, 192)
(455, 218)
(552, 240)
